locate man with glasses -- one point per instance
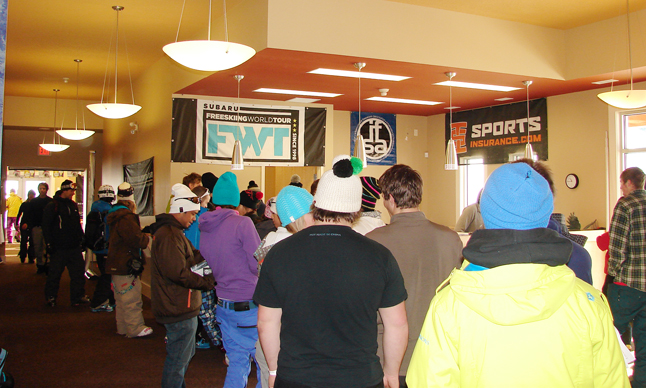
(64, 238)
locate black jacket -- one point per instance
(62, 224)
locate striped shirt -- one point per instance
(628, 241)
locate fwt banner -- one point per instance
(495, 133)
(204, 131)
(141, 178)
(379, 133)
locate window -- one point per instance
(633, 141)
(473, 179)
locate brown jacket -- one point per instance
(174, 290)
(126, 239)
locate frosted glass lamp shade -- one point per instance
(360, 150)
(54, 147)
(451, 159)
(624, 99)
(75, 134)
(209, 55)
(529, 151)
(236, 160)
(113, 110)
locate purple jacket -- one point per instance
(228, 242)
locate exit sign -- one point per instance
(42, 151)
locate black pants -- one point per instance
(73, 260)
(26, 247)
(288, 384)
(103, 289)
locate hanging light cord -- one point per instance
(527, 88)
(116, 58)
(630, 53)
(76, 119)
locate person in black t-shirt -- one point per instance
(319, 293)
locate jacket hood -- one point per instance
(116, 213)
(527, 280)
(165, 219)
(209, 221)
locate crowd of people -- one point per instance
(317, 291)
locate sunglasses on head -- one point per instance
(192, 199)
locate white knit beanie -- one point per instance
(184, 200)
(125, 192)
(340, 189)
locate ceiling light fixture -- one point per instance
(451, 156)
(237, 162)
(605, 81)
(470, 85)
(529, 151)
(359, 145)
(358, 74)
(297, 92)
(625, 99)
(115, 110)
(53, 146)
(208, 55)
(403, 101)
(76, 133)
(302, 100)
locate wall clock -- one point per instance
(571, 181)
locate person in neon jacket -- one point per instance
(514, 315)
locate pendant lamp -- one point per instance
(626, 99)
(359, 144)
(529, 151)
(208, 55)
(451, 156)
(115, 110)
(53, 146)
(237, 162)
(76, 133)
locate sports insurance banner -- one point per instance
(204, 131)
(496, 133)
(379, 132)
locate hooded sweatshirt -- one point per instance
(515, 316)
(126, 240)
(228, 243)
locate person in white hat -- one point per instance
(319, 293)
(96, 237)
(125, 263)
(175, 289)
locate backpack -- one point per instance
(96, 231)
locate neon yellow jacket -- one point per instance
(13, 205)
(517, 325)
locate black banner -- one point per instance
(140, 176)
(496, 133)
(184, 139)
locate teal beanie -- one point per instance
(292, 203)
(225, 191)
(516, 197)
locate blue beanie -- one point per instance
(225, 191)
(293, 203)
(516, 197)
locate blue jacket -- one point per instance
(100, 206)
(580, 260)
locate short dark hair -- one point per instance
(541, 168)
(315, 185)
(330, 216)
(403, 184)
(635, 175)
(44, 184)
(191, 178)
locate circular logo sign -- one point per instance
(378, 137)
